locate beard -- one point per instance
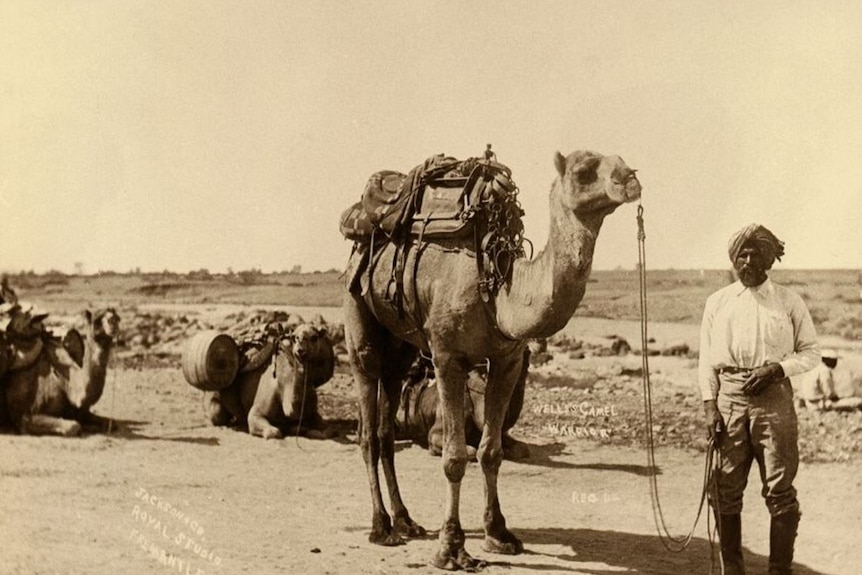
(751, 276)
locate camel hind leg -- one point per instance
(395, 366)
(503, 376)
(366, 342)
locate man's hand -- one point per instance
(762, 377)
(714, 421)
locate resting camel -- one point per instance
(419, 416)
(460, 330)
(278, 396)
(53, 396)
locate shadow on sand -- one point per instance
(542, 455)
(130, 430)
(630, 552)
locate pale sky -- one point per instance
(183, 135)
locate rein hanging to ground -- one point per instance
(671, 543)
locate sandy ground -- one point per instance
(164, 492)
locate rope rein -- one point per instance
(670, 542)
(113, 398)
(302, 406)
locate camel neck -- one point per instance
(90, 380)
(546, 291)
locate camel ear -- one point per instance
(560, 163)
(88, 316)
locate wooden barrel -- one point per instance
(210, 360)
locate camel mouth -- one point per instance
(627, 192)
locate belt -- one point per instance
(732, 369)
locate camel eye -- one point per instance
(586, 177)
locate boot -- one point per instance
(730, 533)
(782, 534)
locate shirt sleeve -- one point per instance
(707, 379)
(806, 350)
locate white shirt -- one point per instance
(750, 327)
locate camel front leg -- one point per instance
(260, 426)
(451, 385)
(48, 425)
(266, 409)
(502, 378)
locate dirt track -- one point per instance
(131, 501)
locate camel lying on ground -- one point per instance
(53, 396)
(442, 312)
(278, 396)
(420, 420)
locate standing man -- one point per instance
(755, 334)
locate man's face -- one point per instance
(751, 265)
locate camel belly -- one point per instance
(440, 299)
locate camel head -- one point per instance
(311, 348)
(103, 325)
(593, 184)
(308, 349)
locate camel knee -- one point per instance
(454, 466)
(490, 457)
(217, 412)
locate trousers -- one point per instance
(761, 428)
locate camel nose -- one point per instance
(633, 187)
(626, 186)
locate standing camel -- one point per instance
(54, 395)
(460, 330)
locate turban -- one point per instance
(762, 238)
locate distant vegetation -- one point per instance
(833, 296)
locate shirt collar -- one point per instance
(766, 288)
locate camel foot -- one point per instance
(457, 561)
(382, 532)
(271, 434)
(73, 429)
(452, 556)
(408, 528)
(386, 538)
(506, 544)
